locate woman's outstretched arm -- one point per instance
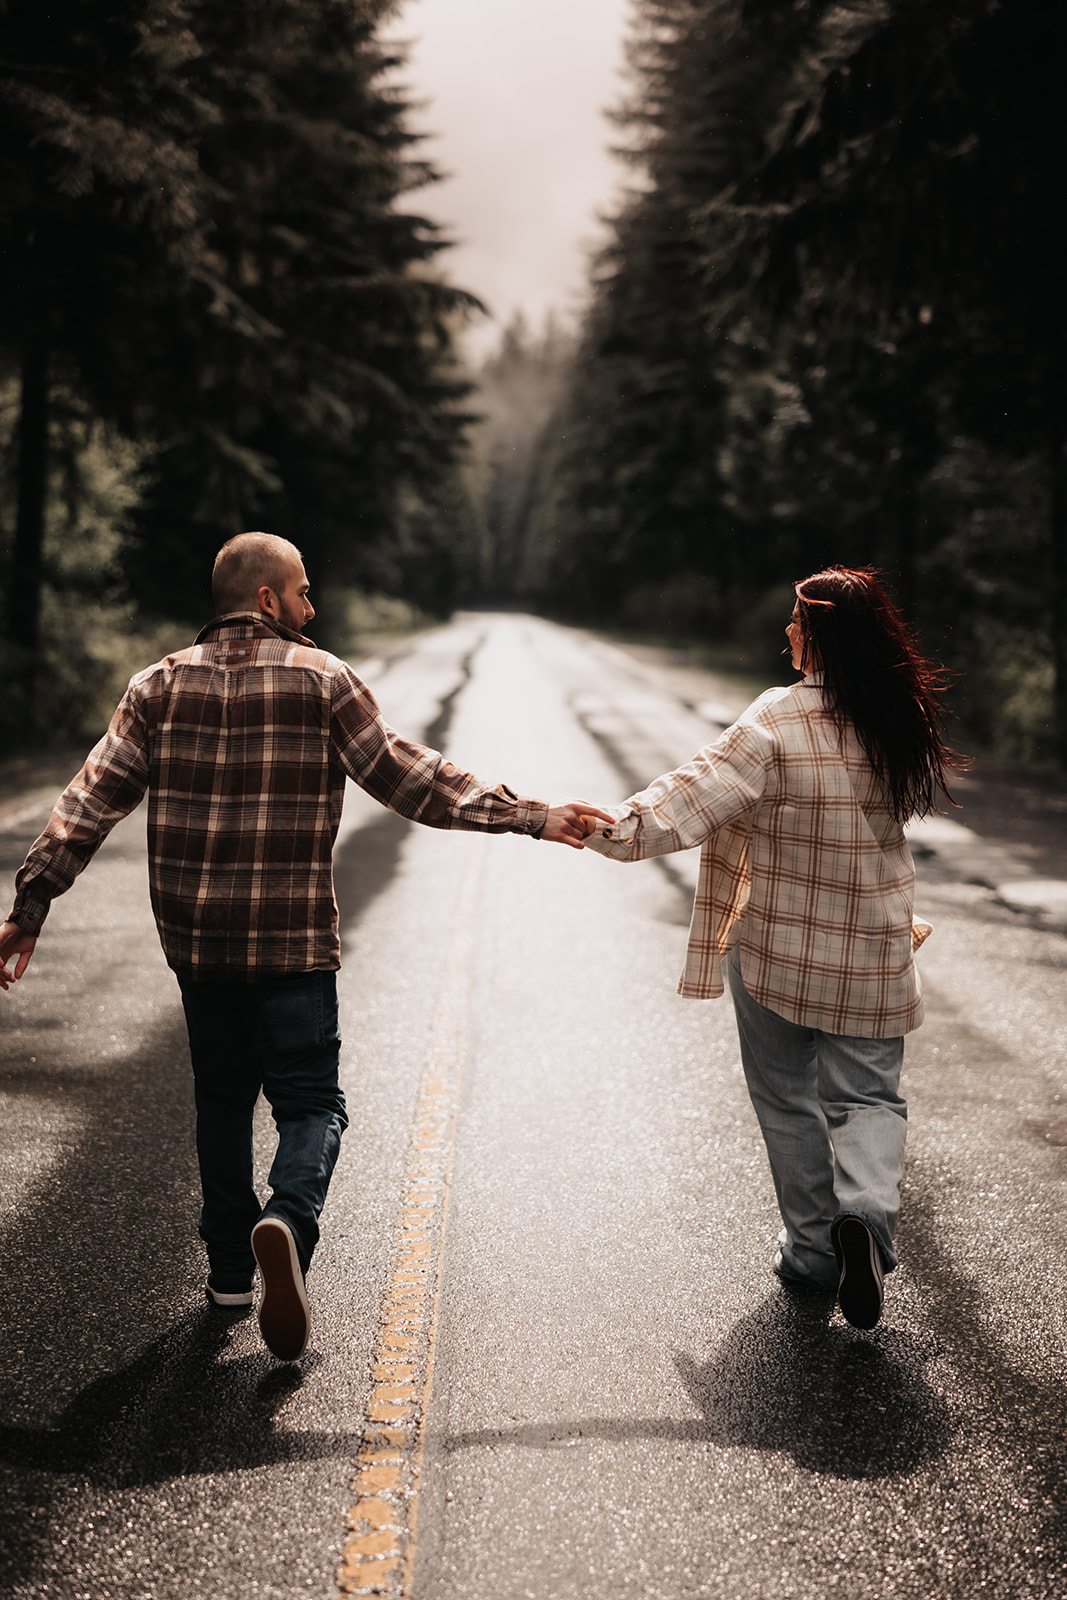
(723, 781)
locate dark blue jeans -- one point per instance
(279, 1035)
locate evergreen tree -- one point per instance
(207, 247)
(907, 185)
(101, 211)
(329, 410)
(835, 286)
(642, 498)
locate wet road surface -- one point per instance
(548, 1356)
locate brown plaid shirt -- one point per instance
(244, 742)
(801, 864)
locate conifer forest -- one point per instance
(826, 324)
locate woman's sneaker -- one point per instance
(859, 1292)
(284, 1316)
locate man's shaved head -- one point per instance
(247, 563)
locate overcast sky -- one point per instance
(515, 92)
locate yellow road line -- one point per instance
(379, 1549)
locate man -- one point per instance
(243, 743)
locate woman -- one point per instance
(805, 896)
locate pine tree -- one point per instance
(520, 386)
(835, 284)
(331, 409)
(209, 248)
(101, 208)
(643, 496)
(907, 185)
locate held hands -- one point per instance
(13, 942)
(571, 821)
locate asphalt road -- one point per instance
(548, 1358)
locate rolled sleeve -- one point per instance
(28, 913)
(530, 817)
(616, 840)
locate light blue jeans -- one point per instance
(834, 1124)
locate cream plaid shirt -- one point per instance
(801, 863)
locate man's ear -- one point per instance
(267, 601)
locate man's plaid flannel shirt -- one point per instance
(801, 864)
(243, 743)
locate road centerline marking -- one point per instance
(378, 1557)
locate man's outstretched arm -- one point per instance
(13, 942)
(417, 782)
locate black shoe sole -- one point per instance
(859, 1293)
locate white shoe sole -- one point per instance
(229, 1302)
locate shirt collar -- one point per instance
(239, 624)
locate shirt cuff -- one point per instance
(623, 830)
(530, 817)
(608, 847)
(614, 839)
(29, 914)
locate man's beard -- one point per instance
(290, 619)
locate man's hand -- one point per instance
(567, 823)
(13, 942)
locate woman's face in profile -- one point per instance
(796, 642)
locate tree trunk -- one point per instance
(1058, 531)
(24, 601)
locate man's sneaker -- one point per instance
(284, 1317)
(859, 1293)
(792, 1279)
(229, 1300)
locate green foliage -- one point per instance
(208, 250)
(829, 326)
(91, 639)
(329, 409)
(647, 488)
(359, 623)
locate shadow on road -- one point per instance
(846, 1404)
(784, 1379)
(178, 1411)
(1018, 1407)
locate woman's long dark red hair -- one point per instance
(875, 677)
